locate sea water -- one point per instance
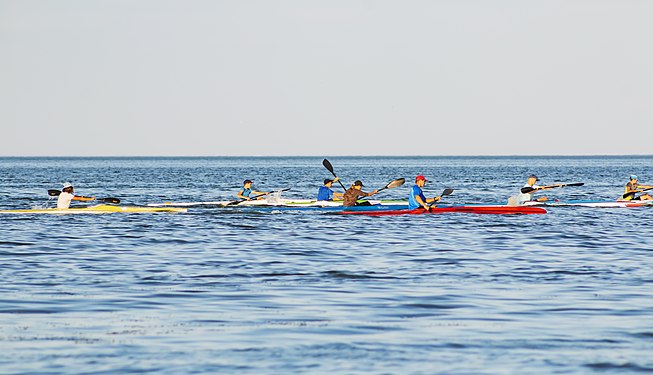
(288, 292)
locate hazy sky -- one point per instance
(458, 77)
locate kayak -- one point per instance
(494, 210)
(275, 203)
(593, 203)
(98, 209)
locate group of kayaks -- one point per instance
(273, 202)
(369, 208)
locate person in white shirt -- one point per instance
(528, 197)
(67, 195)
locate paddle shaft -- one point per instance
(635, 192)
(528, 189)
(445, 192)
(390, 185)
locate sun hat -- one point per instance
(67, 185)
(358, 183)
(421, 177)
(247, 182)
(328, 180)
(633, 177)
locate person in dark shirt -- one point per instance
(354, 192)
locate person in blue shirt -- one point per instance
(325, 193)
(417, 198)
(246, 191)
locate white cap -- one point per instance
(67, 185)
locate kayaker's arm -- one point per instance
(419, 201)
(83, 198)
(550, 187)
(433, 200)
(261, 194)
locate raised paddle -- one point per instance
(393, 184)
(233, 203)
(328, 166)
(632, 193)
(447, 191)
(56, 193)
(528, 189)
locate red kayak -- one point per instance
(494, 210)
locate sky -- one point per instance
(325, 78)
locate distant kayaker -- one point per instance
(354, 192)
(67, 195)
(632, 188)
(246, 191)
(325, 193)
(416, 199)
(528, 197)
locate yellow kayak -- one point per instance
(99, 209)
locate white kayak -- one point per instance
(274, 202)
(593, 203)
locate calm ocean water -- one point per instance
(227, 291)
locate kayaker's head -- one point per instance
(247, 184)
(633, 178)
(532, 179)
(420, 180)
(68, 187)
(328, 182)
(358, 184)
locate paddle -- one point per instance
(328, 166)
(632, 193)
(447, 191)
(390, 185)
(528, 189)
(253, 197)
(393, 184)
(56, 193)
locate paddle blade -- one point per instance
(447, 191)
(576, 184)
(54, 193)
(527, 189)
(327, 165)
(395, 183)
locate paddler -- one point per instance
(528, 197)
(416, 199)
(325, 193)
(632, 188)
(246, 191)
(67, 195)
(354, 192)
